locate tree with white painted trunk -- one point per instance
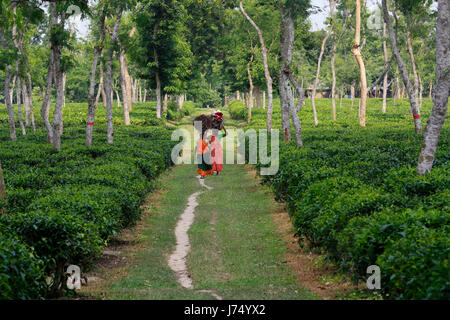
(441, 91)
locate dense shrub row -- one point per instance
(355, 193)
(174, 114)
(62, 207)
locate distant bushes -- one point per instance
(174, 114)
(355, 193)
(238, 110)
(64, 206)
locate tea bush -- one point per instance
(21, 273)
(64, 206)
(355, 193)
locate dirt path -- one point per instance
(216, 238)
(177, 261)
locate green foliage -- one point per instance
(66, 205)
(57, 239)
(21, 273)
(416, 266)
(355, 193)
(238, 110)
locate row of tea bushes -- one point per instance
(354, 193)
(63, 207)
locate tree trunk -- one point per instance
(119, 104)
(158, 96)
(124, 86)
(385, 79)
(356, 50)
(165, 103)
(403, 71)
(8, 102)
(420, 90)
(19, 105)
(250, 91)
(352, 93)
(108, 80)
(439, 112)
(180, 101)
(91, 95)
(269, 81)
(58, 75)
(258, 97)
(2, 191)
(430, 94)
(264, 100)
(413, 61)
(101, 90)
(45, 109)
(333, 58)
(286, 95)
(30, 100)
(26, 103)
(316, 80)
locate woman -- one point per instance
(216, 153)
(202, 151)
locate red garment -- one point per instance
(216, 154)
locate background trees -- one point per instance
(210, 52)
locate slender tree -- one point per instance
(264, 52)
(108, 78)
(356, 50)
(289, 11)
(316, 80)
(403, 71)
(98, 48)
(2, 192)
(441, 91)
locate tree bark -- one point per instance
(92, 101)
(19, 105)
(264, 100)
(439, 112)
(165, 102)
(30, 100)
(269, 81)
(108, 79)
(157, 78)
(124, 86)
(180, 101)
(2, 191)
(333, 58)
(356, 50)
(413, 60)
(45, 109)
(258, 97)
(8, 102)
(316, 80)
(286, 94)
(352, 93)
(250, 97)
(385, 79)
(403, 71)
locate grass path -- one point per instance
(236, 251)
